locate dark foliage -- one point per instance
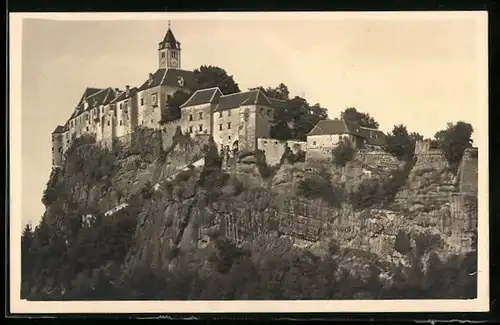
(343, 153)
(401, 144)
(320, 186)
(295, 117)
(373, 192)
(363, 119)
(453, 141)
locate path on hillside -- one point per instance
(198, 163)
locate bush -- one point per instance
(264, 169)
(402, 243)
(320, 186)
(374, 191)
(147, 191)
(343, 153)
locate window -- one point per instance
(229, 137)
(261, 111)
(201, 116)
(102, 109)
(201, 127)
(229, 113)
(87, 128)
(229, 126)
(121, 122)
(162, 55)
(142, 101)
(314, 143)
(220, 127)
(108, 123)
(142, 122)
(220, 114)
(154, 99)
(152, 121)
(190, 129)
(174, 54)
(190, 117)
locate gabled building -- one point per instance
(327, 134)
(196, 112)
(240, 119)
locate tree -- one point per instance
(174, 102)
(363, 119)
(281, 92)
(343, 153)
(400, 143)
(212, 76)
(295, 116)
(454, 140)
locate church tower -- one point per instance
(169, 52)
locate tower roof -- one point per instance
(169, 41)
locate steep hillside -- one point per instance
(248, 231)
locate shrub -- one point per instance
(374, 191)
(320, 186)
(343, 153)
(147, 191)
(402, 242)
(264, 169)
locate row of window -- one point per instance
(76, 121)
(228, 126)
(172, 54)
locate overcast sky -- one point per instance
(421, 71)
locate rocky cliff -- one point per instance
(371, 214)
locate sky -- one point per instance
(422, 71)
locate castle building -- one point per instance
(234, 120)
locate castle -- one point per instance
(234, 120)
(237, 122)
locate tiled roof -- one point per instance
(170, 39)
(170, 77)
(335, 126)
(203, 96)
(59, 129)
(123, 95)
(95, 97)
(373, 137)
(252, 97)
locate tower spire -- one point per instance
(169, 24)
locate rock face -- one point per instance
(188, 213)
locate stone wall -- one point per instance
(315, 155)
(374, 160)
(468, 172)
(432, 159)
(274, 149)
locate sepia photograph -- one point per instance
(272, 162)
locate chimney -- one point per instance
(85, 103)
(150, 77)
(127, 89)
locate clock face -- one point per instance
(173, 62)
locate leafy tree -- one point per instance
(454, 140)
(281, 92)
(212, 76)
(296, 117)
(343, 153)
(174, 102)
(363, 119)
(400, 143)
